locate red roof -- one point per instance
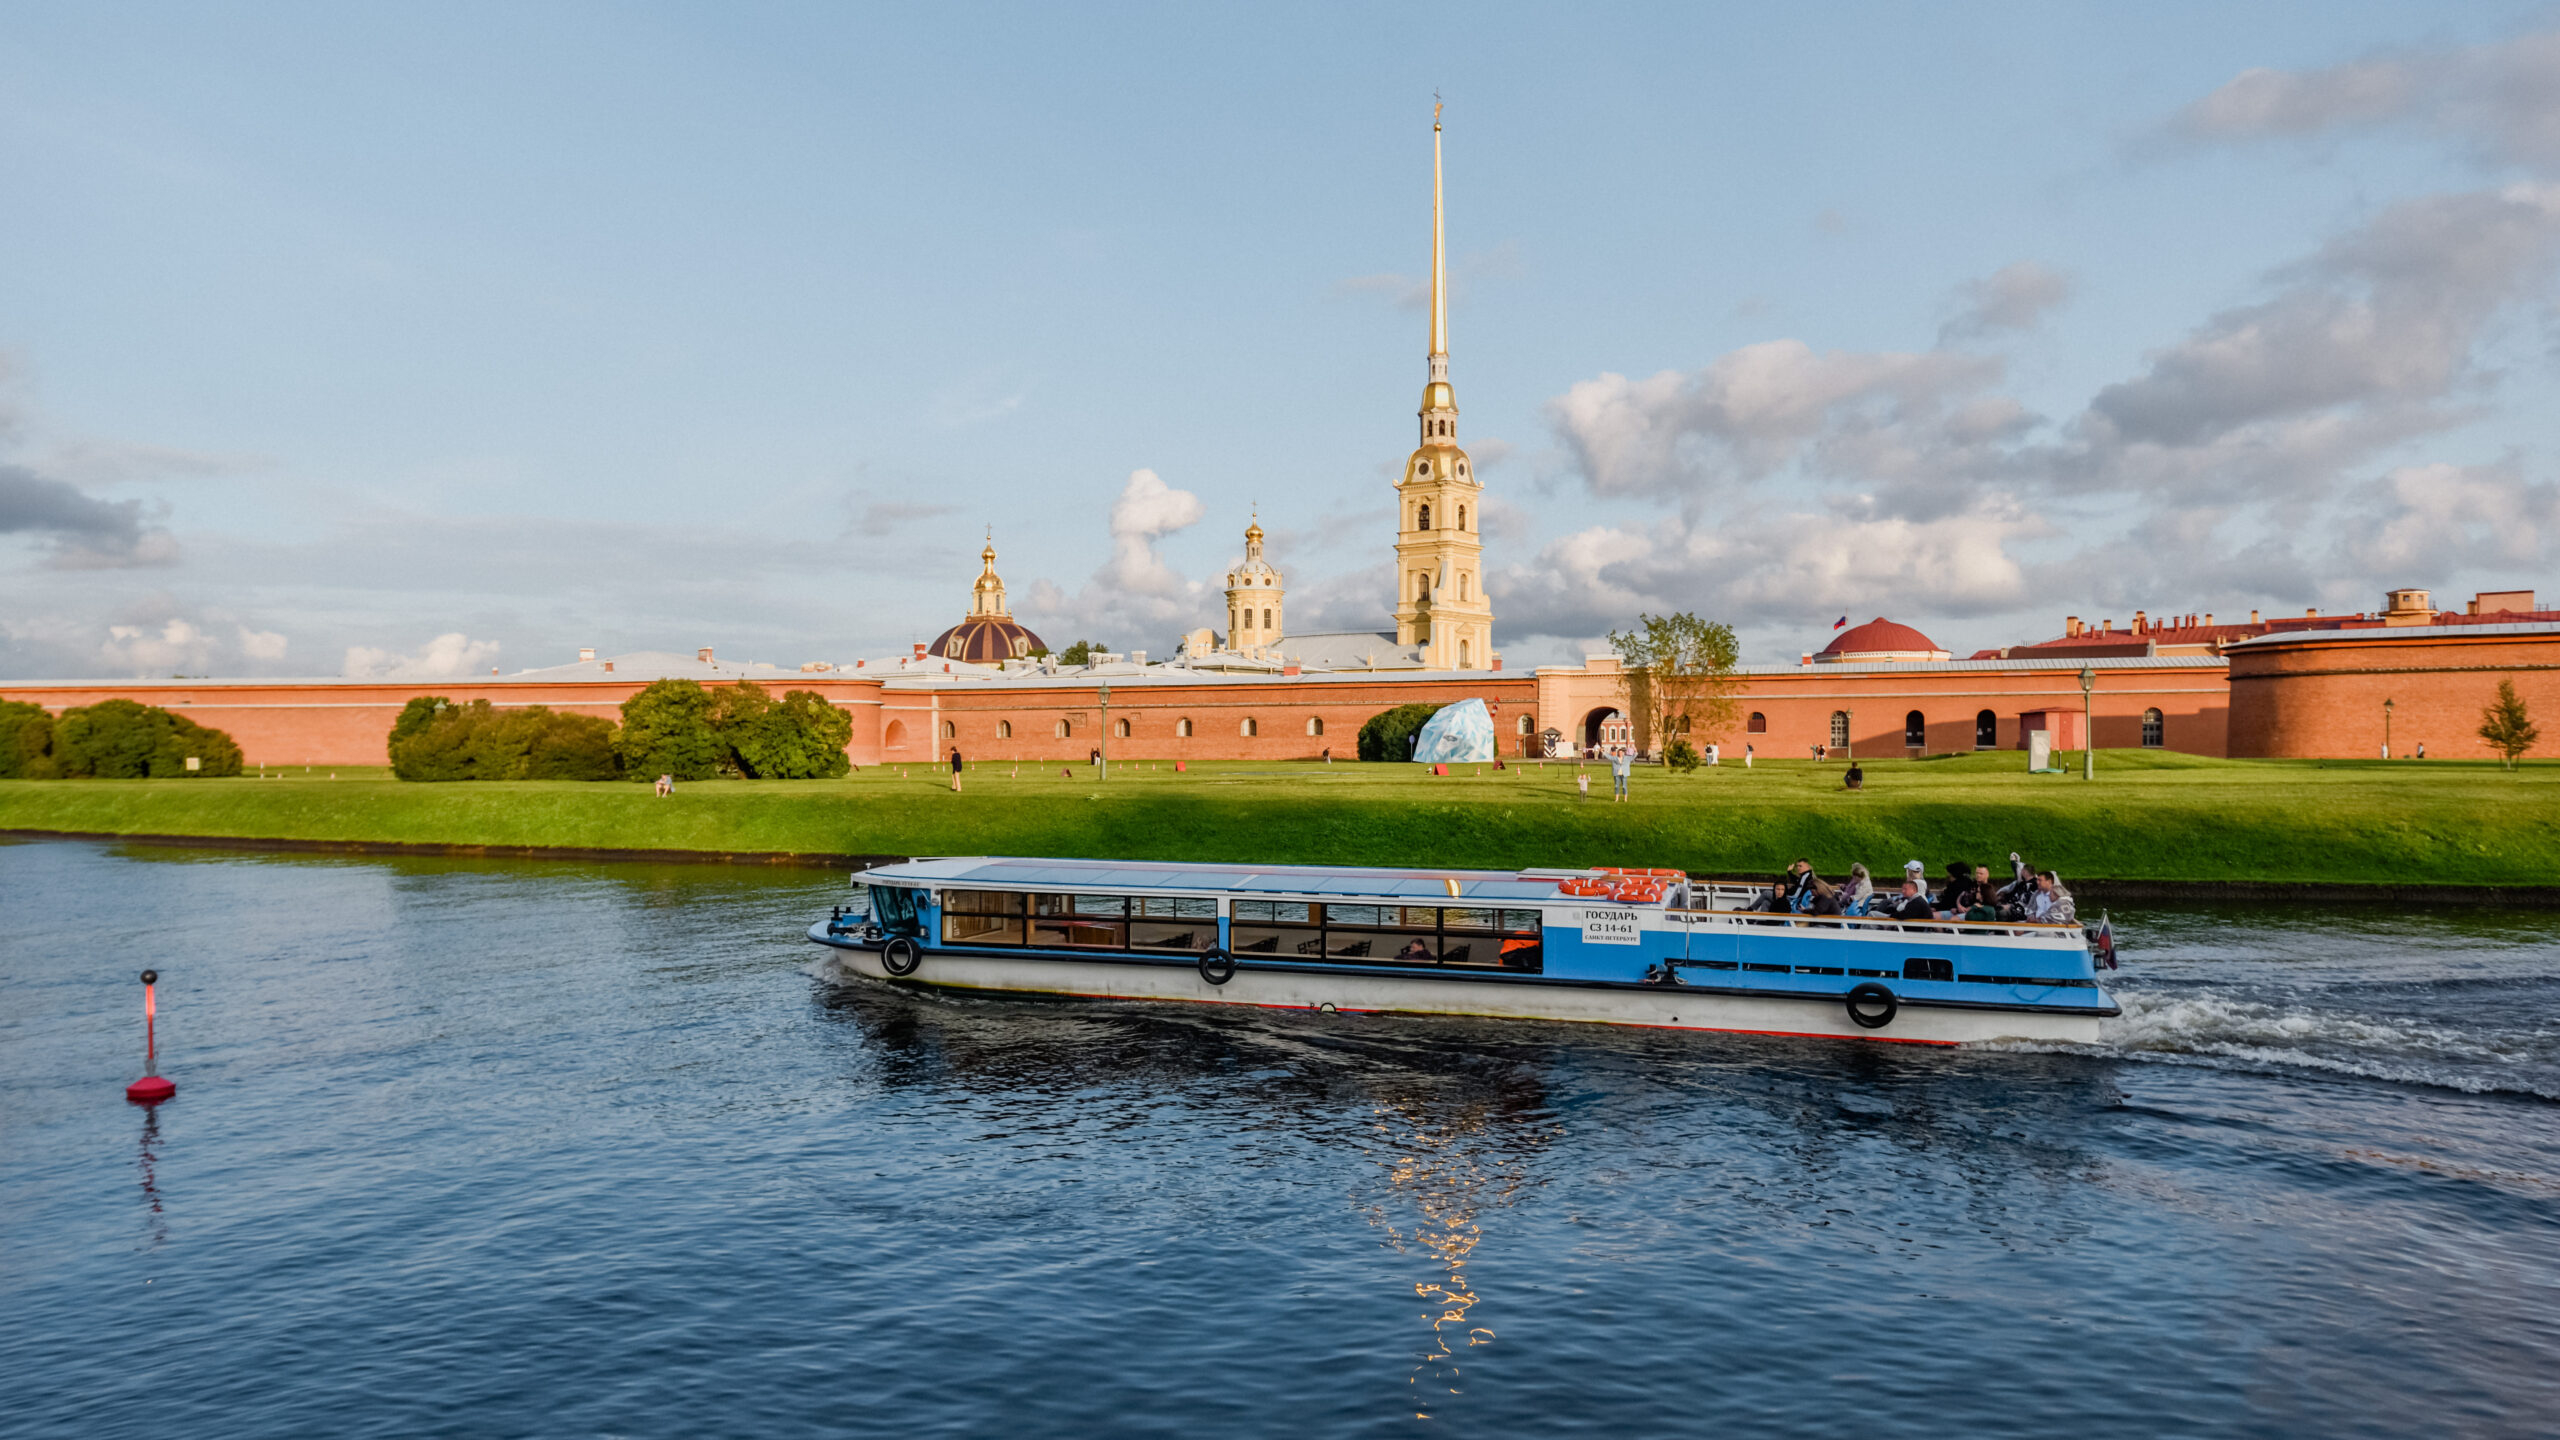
(1879, 636)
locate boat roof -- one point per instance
(1137, 876)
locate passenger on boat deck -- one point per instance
(1982, 909)
(1826, 898)
(1914, 904)
(2051, 904)
(1799, 883)
(2021, 887)
(1956, 895)
(1775, 902)
(1862, 891)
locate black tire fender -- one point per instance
(1217, 967)
(902, 956)
(1862, 1002)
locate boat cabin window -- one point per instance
(1079, 922)
(1388, 934)
(893, 907)
(1927, 969)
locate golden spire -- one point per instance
(1439, 261)
(987, 595)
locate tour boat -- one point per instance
(1604, 946)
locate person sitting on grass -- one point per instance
(1856, 779)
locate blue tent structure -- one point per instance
(1460, 732)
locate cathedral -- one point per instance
(1443, 619)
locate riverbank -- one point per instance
(2403, 828)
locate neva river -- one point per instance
(496, 1149)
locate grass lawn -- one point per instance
(2149, 815)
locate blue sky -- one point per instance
(371, 340)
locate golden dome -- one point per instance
(1439, 395)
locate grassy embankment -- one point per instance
(2149, 816)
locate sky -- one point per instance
(420, 341)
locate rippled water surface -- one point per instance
(540, 1149)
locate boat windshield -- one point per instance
(893, 909)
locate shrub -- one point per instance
(26, 741)
(667, 730)
(415, 716)
(800, 737)
(478, 741)
(1682, 756)
(1390, 736)
(127, 740)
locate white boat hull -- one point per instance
(1662, 1007)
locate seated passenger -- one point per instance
(1913, 905)
(1826, 898)
(1860, 892)
(1955, 894)
(1981, 910)
(2051, 904)
(1415, 950)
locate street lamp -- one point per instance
(2088, 735)
(2386, 729)
(1103, 770)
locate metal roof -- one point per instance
(1950, 667)
(1130, 876)
(2402, 632)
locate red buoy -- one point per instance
(153, 1087)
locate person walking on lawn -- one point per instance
(955, 769)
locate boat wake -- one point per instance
(2226, 1032)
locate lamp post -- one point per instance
(2386, 728)
(1103, 770)
(2088, 735)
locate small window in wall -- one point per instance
(949, 730)
(1915, 731)
(1004, 729)
(1120, 728)
(1462, 510)
(1840, 729)
(2154, 729)
(1526, 725)
(1986, 731)
(1247, 727)
(1758, 724)
(1425, 523)
(1462, 654)
(1266, 619)
(1464, 582)
(1182, 727)
(1063, 730)
(1315, 724)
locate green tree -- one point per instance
(26, 741)
(2507, 727)
(666, 730)
(478, 741)
(799, 737)
(415, 716)
(1389, 735)
(1682, 756)
(126, 740)
(1081, 653)
(1679, 676)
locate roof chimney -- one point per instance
(2208, 619)
(2070, 625)
(919, 649)
(703, 654)
(2253, 617)
(587, 652)
(2137, 622)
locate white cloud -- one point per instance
(261, 644)
(1135, 600)
(447, 656)
(2426, 522)
(2017, 296)
(2500, 99)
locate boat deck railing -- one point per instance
(1719, 908)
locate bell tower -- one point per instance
(1254, 614)
(1441, 606)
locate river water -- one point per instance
(489, 1149)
